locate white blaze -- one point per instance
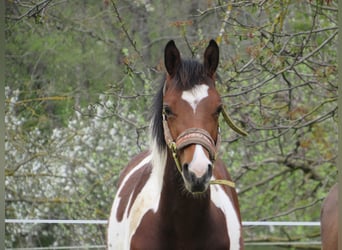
(200, 162)
(195, 95)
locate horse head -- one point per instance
(191, 109)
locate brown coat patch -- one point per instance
(134, 185)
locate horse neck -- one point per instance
(175, 198)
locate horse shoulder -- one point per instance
(131, 165)
(225, 198)
(124, 214)
(221, 173)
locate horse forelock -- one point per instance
(189, 74)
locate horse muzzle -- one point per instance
(196, 168)
(197, 173)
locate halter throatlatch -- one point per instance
(194, 136)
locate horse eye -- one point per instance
(167, 111)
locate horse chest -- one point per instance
(195, 227)
(207, 231)
(149, 221)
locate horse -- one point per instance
(329, 220)
(179, 194)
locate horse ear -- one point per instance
(172, 58)
(211, 58)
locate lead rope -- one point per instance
(231, 124)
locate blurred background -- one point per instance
(80, 79)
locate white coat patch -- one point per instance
(223, 202)
(195, 95)
(120, 232)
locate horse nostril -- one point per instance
(210, 170)
(186, 169)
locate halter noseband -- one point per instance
(197, 136)
(188, 137)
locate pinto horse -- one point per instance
(164, 198)
(329, 220)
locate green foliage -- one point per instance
(80, 79)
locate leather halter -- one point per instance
(194, 136)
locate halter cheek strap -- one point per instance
(170, 143)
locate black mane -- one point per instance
(189, 74)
